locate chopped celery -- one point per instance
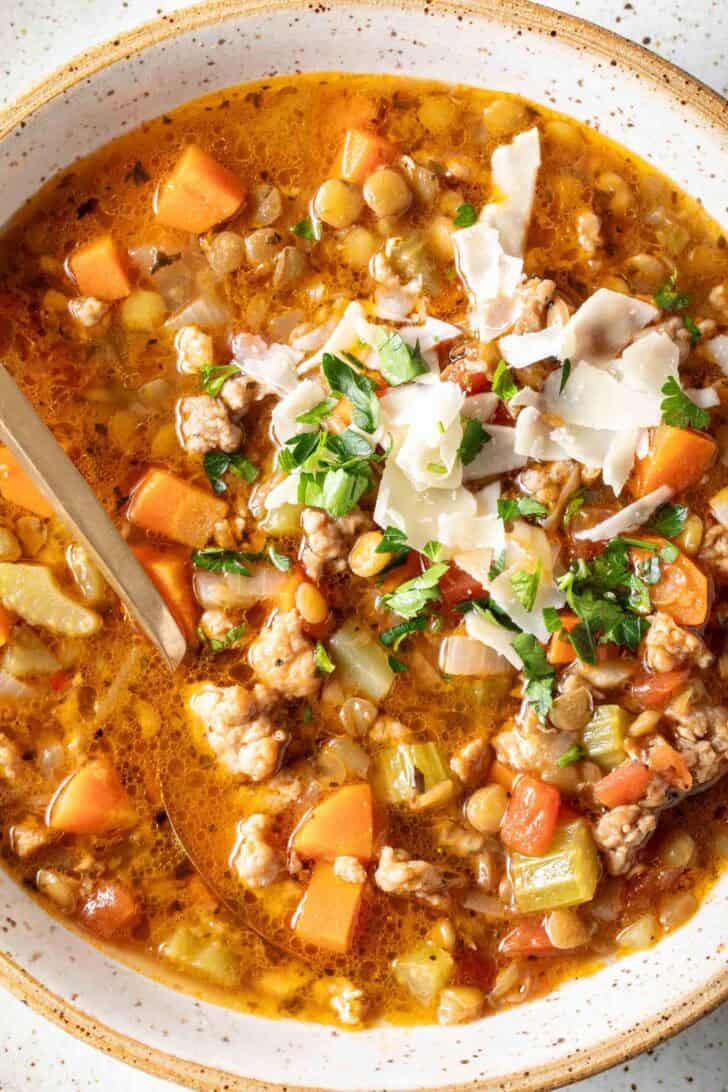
(361, 661)
(424, 971)
(603, 737)
(565, 876)
(203, 955)
(403, 772)
(283, 520)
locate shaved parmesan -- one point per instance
(481, 406)
(595, 399)
(514, 168)
(634, 515)
(471, 532)
(417, 514)
(619, 458)
(705, 397)
(487, 499)
(717, 347)
(603, 325)
(286, 492)
(520, 350)
(492, 635)
(648, 363)
(428, 450)
(273, 367)
(307, 394)
(344, 337)
(533, 436)
(497, 456)
(490, 276)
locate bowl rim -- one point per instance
(525, 15)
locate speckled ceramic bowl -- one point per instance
(636, 99)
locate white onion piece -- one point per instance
(222, 590)
(717, 347)
(634, 515)
(204, 311)
(487, 905)
(465, 656)
(11, 689)
(705, 397)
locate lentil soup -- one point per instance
(409, 398)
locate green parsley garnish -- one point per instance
(503, 383)
(322, 659)
(355, 386)
(392, 638)
(217, 644)
(398, 361)
(335, 469)
(568, 758)
(396, 665)
(465, 215)
(679, 411)
(538, 673)
(393, 541)
(215, 560)
(307, 714)
(411, 598)
(511, 507)
(474, 439)
(317, 413)
(525, 586)
(576, 502)
(433, 550)
(552, 619)
(281, 561)
(693, 329)
(308, 229)
(668, 298)
(217, 463)
(497, 565)
(213, 377)
(565, 373)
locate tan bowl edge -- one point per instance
(526, 16)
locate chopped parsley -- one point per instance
(308, 229)
(576, 501)
(511, 507)
(538, 673)
(465, 215)
(497, 565)
(213, 377)
(552, 619)
(565, 373)
(217, 463)
(525, 586)
(503, 383)
(437, 468)
(474, 439)
(693, 329)
(668, 298)
(335, 469)
(281, 561)
(679, 411)
(322, 659)
(215, 560)
(568, 758)
(216, 644)
(355, 386)
(398, 361)
(307, 714)
(396, 665)
(411, 598)
(394, 542)
(433, 550)
(392, 638)
(317, 413)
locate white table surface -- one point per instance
(36, 37)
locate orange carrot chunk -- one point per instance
(92, 801)
(342, 825)
(100, 268)
(172, 508)
(683, 590)
(169, 572)
(530, 820)
(7, 621)
(625, 785)
(527, 939)
(362, 153)
(17, 488)
(109, 911)
(328, 913)
(199, 193)
(677, 457)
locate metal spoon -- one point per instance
(45, 461)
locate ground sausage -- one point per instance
(620, 833)
(283, 657)
(255, 860)
(714, 551)
(204, 425)
(396, 874)
(239, 729)
(328, 541)
(668, 646)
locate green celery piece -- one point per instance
(424, 972)
(565, 876)
(361, 661)
(603, 737)
(402, 772)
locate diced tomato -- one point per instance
(60, 680)
(654, 691)
(625, 785)
(668, 762)
(456, 586)
(474, 969)
(109, 911)
(527, 939)
(531, 816)
(471, 380)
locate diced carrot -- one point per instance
(169, 571)
(17, 488)
(683, 590)
(665, 760)
(100, 268)
(625, 785)
(561, 650)
(109, 911)
(91, 801)
(456, 586)
(7, 621)
(169, 506)
(328, 913)
(652, 691)
(502, 775)
(677, 457)
(527, 939)
(530, 820)
(199, 193)
(362, 153)
(342, 825)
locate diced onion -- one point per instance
(222, 590)
(465, 656)
(204, 311)
(11, 689)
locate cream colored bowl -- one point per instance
(633, 97)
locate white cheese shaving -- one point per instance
(595, 399)
(603, 325)
(426, 448)
(481, 406)
(705, 397)
(493, 636)
(471, 532)
(273, 367)
(634, 515)
(497, 456)
(619, 458)
(514, 170)
(491, 278)
(344, 337)
(648, 363)
(717, 347)
(520, 350)
(416, 514)
(307, 394)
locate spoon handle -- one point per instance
(45, 461)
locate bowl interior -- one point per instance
(634, 99)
